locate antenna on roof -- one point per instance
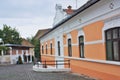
(76, 3)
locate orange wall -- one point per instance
(64, 39)
(48, 43)
(65, 51)
(74, 34)
(93, 31)
(74, 38)
(97, 70)
(53, 42)
(65, 43)
(53, 51)
(48, 58)
(75, 51)
(44, 44)
(95, 51)
(48, 46)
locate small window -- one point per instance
(42, 50)
(46, 49)
(81, 46)
(51, 48)
(69, 48)
(58, 48)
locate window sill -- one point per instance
(89, 60)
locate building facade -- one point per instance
(14, 52)
(90, 39)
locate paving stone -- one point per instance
(25, 72)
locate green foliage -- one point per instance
(36, 43)
(4, 48)
(10, 35)
(32, 40)
(37, 50)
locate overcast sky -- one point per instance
(28, 16)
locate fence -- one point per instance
(55, 63)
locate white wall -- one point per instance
(99, 11)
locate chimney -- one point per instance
(69, 10)
(69, 7)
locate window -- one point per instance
(51, 48)
(81, 46)
(69, 48)
(42, 50)
(113, 44)
(46, 49)
(58, 48)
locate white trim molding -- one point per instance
(97, 61)
(94, 42)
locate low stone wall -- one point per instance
(50, 69)
(5, 59)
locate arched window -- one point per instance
(69, 48)
(42, 49)
(46, 49)
(113, 44)
(58, 48)
(81, 46)
(51, 48)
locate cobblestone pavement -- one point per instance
(25, 72)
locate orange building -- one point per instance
(89, 38)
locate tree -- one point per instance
(37, 50)
(10, 35)
(1, 33)
(4, 48)
(36, 43)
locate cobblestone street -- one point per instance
(24, 72)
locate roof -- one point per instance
(26, 43)
(41, 32)
(16, 45)
(84, 7)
